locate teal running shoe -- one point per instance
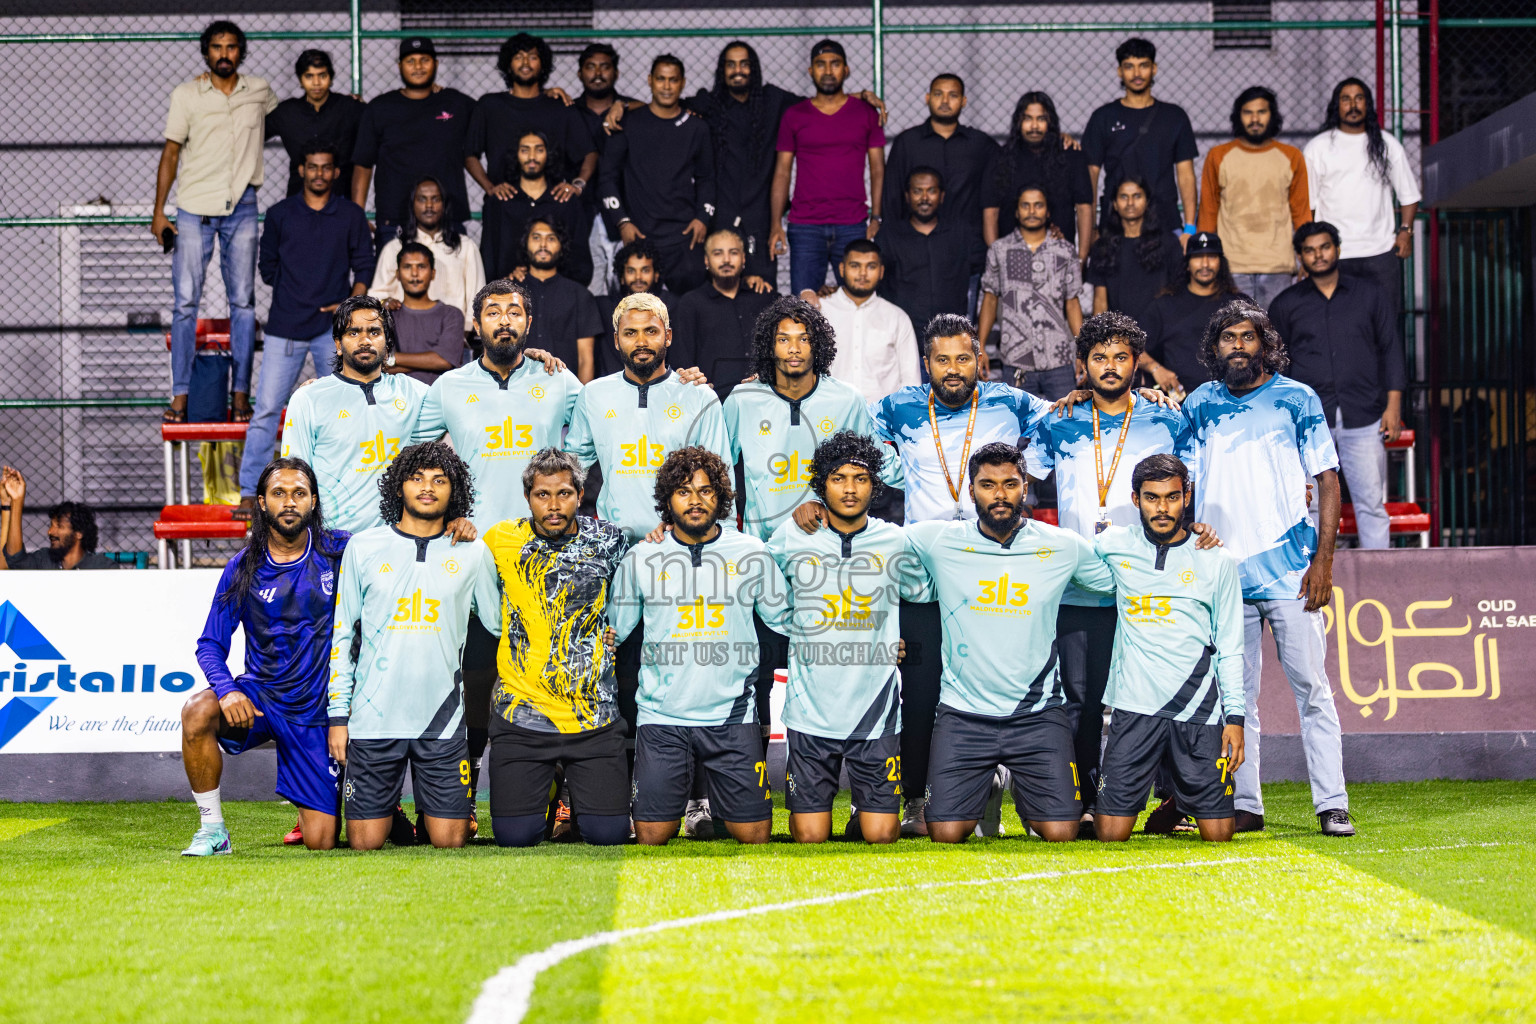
(210, 841)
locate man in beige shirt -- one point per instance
(215, 132)
(460, 272)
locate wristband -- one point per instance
(1190, 229)
(579, 184)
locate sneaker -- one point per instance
(1085, 828)
(1336, 822)
(991, 823)
(209, 841)
(401, 831)
(1247, 821)
(564, 831)
(853, 830)
(1165, 820)
(698, 823)
(295, 836)
(914, 819)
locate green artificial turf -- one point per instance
(1427, 915)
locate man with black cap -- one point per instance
(832, 137)
(1176, 321)
(411, 133)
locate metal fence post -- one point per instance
(877, 44)
(356, 14)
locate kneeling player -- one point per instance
(696, 591)
(555, 703)
(843, 707)
(281, 591)
(396, 697)
(1176, 681)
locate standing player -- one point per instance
(280, 591)
(999, 583)
(843, 707)
(556, 704)
(697, 591)
(1176, 681)
(402, 609)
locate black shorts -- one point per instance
(439, 777)
(874, 773)
(480, 646)
(523, 762)
(1139, 744)
(1036, 748)
(733, 758)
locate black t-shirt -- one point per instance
(405, 140)
(1065, 179)
(1175, 326)
(1141, 142)
(714, 333)
(499, 119)
(561, 312)
(295, 123)
(744, 138)
(1131, 288)
(505, 220)
(929, 274)
(965, 159)
(659, 173)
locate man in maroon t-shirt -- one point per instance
(831, 134)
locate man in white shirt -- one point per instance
(459, 273)
(876, 346)
(1354, 168)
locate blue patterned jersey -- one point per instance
(1254, 455)
(287, 616)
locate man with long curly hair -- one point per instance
(396, 694)
(697, 592)
(1260, 439)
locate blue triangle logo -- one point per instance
(18, 713)
(23, 638)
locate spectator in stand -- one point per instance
(1137, 136)
(658, 177)
(1036, 154)
(525, 63)
(930, 258)
(962, 155)
(411, 133)
(431, 333)
(597, 66)
(460, 272)
(1033, 278)
(1133, 257)
(714, 323)
(71, 531)
(319, 114)
(563, 313)
(826, 141)
(1253, 193)
(876, 344)
(315, 251)
(1339, 333)
(1177, 318)
(506, 220)
(1354, 169)
(639, 270)
(213, 145)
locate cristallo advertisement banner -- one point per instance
(1439, 640)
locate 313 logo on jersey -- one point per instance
(643, 454)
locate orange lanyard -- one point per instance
(965, 452)
(1098, 456)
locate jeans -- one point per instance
(282, 361)
(604, 274)
(1048, 384)
(815, 247)
(237, 265)
(1299, 640)
(1262, 288)
(1363, 463)
(1387, 271)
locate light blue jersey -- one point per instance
(844, 632)
(776, 438)
(496, 426)
(1065, 444)
(1254, 456)
(998, 607)
(1002, 414)
(629, 430)
(1179, 645)
(349, 433)
(699, 661)
(412, 597)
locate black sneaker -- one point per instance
(1247, 821)
(401, 831)
(1336, 822)
(1085, 829)
(1164, 820)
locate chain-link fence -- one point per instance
(84, 135)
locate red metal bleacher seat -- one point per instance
(199, 522)
(187, 522)
(212, 335)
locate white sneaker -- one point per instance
(914, 818)
(697, 821)
(991, 823)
